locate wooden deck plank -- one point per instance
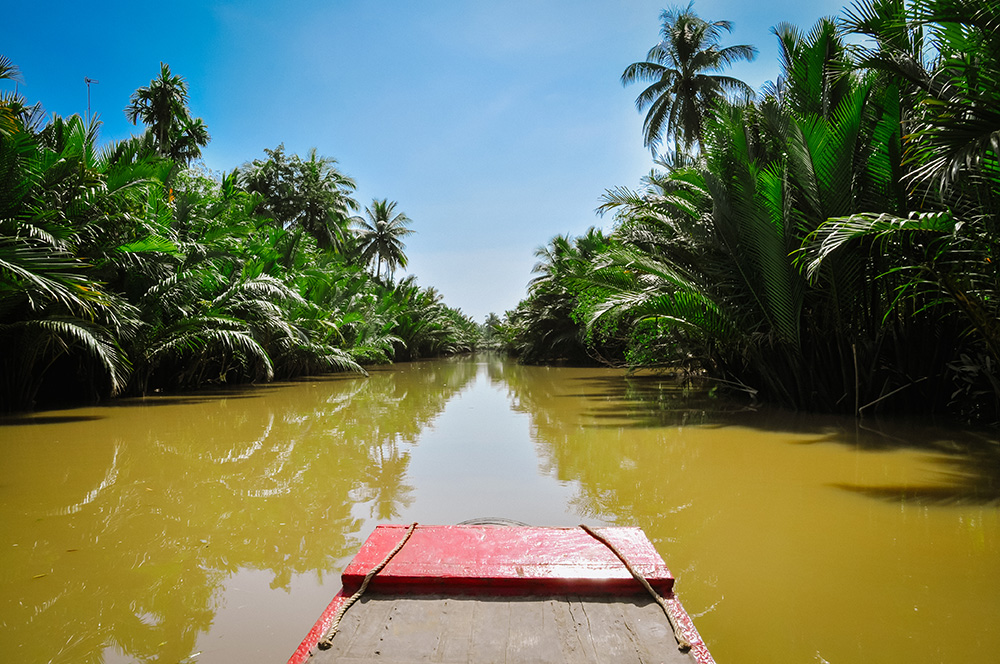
(605, 627)
(533, 635)
(654, 634)
(573, 637)
(460, 630)
(457, 631)
(490, 630)
(413, 626)
(361, 626)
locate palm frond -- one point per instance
(837, 232)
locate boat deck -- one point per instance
(487, 593)
(394, 629)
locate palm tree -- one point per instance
(324, 203)
(956, 104)
(379, 236)
(9, 102)
(163, 106)
(186, 145)
(56, 320)
(549, 324)
(8, 70)
(682, 90)
(52, 313)
(308, 194)
(709, 262)
(813, 68)
(943, 239)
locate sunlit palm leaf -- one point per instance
(837, 232)
(41, 276)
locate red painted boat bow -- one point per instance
(503, 560)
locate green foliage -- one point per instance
(163, 107)
(491, 333)
(834, 244)
(123, 273)
(551, 324)
(820, 145)
(310, 194)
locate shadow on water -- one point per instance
(151, 401)
(28, 419)
(968, 461)
(653, 402)
(969, 476)
(205, 395)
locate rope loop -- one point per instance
(326, 642)
(682, 643)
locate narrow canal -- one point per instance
(212, 527)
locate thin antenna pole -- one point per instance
(88, 81)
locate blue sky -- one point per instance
(494, 125)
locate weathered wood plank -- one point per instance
(490, 631)
(413, 626)
(361, 626)
(533, 634)
(460, 630)
(606, 630)
(456, 633)
(574, 638)
(655, 635)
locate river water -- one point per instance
(213, 527)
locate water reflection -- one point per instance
(768, 517)
(968, 461)
(121, 524)
(216, 523)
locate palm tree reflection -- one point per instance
(121, 531)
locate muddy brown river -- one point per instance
(212, 527)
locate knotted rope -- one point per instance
(326, 642)
(682, 643)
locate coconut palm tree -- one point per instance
(163, 107)
(380, 236)
(679, 68)
(308, 194)
(324, 203)
(550, 323)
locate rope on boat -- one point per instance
(326, 642)
(682, 643)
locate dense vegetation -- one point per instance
(828, 244)
(124, 270)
